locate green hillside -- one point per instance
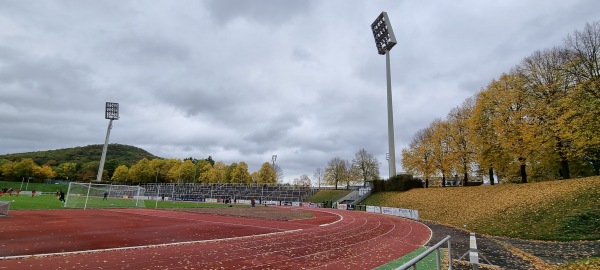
(117, 153)
(552, 210)
(84, 156)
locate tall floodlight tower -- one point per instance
(385, 40)
(273, 158)
(112, 113)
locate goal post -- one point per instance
(91, 195)
(4, 206)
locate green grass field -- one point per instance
(45, 202)
(38, 187)
(429, 262)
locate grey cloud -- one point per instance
(143, 50)
(274, 129)
(263, 11)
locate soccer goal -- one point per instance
(89, 195)
(4, 206)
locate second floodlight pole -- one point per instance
(112, 113)
(392, 147)
(103, 158)
(385, 40)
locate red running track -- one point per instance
(158, 239)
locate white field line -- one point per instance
(204, 221)
(142, 247)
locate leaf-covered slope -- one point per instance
(551, 210)
(116, 154)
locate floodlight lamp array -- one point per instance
(112, 111)
(383, 33)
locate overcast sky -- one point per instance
(244, 80)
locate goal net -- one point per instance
(89, 195)
(4, 205)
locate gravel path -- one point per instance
(495, 250)
(490, 251)
(556, 252)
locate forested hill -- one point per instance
(117, 154)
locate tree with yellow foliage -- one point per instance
(418, 158)
(266, 174)
(121, 174)
(462, 155)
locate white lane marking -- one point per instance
(142, 247)
(200, 220)
(473, 254)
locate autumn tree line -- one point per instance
(191, 170)
(159, 170)
(339, 172)
(539, 121)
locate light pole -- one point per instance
(179, 177)
(194, 180)
(157, 188)
(26, 186)
(112, 113)
(273, 158)
(385, 40)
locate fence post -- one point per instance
(449, 256)
(438, 258)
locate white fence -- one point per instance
(399, 212)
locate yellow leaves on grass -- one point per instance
(494, 208)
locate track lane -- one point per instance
(357, 240)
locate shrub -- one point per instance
(397, 183)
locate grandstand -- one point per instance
(222, 192)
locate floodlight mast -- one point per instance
(112, 113)
(273, 158)
(385, 40)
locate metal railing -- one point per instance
(412, 264)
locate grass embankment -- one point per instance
(553, 210)
(328, 195)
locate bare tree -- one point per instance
(585, 45)
(350, 176)
(278, 174)
(365, 166)
(304, 180)
(319, 175)
(336, 171)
